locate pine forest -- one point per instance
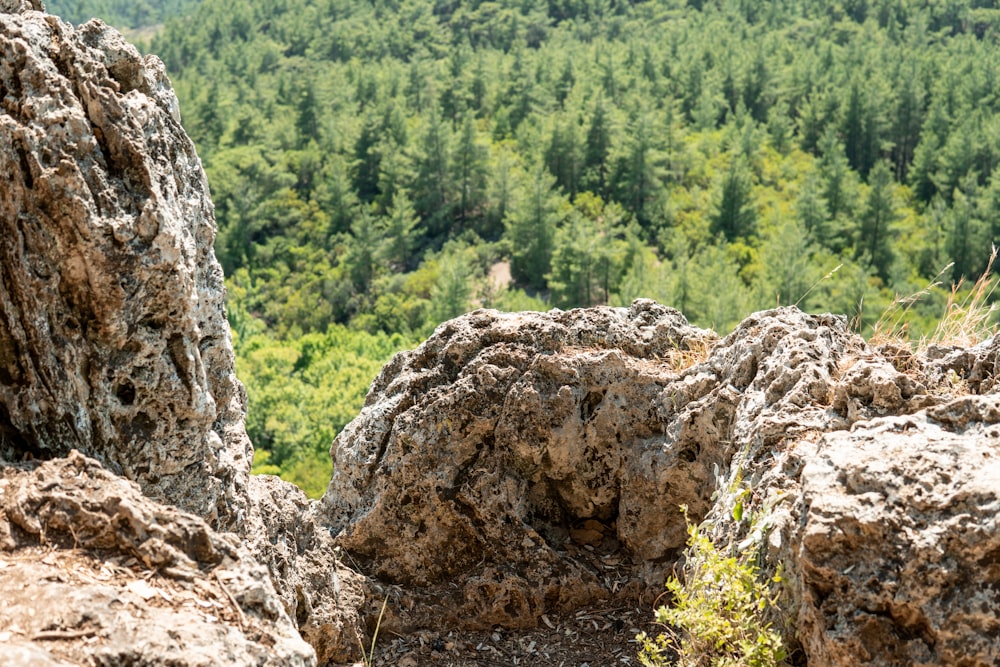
(380, 166)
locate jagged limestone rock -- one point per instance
(93, 572)
(899, 546)
(481, 457)
(113, 338)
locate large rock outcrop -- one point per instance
(542, 442)
(113, 338)
(513, 435)
(113, 335)
(494, 469)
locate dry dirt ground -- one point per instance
(601, 636)
(596, 637)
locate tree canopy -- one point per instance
(373, 163)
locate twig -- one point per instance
(241, 617)
(62, 634)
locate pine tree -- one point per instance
(469, 173)
(400, 232)
(530, 228)
(965, 243)
(367, 160)
(876, 231)
(597, 151)
(735, 215)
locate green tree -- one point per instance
(452, 293)
(788, 266)
(432, 185)
(588, 253)
(564, 153)
(469, 169)
(597, 151)
(965, 242)
(877, 218)
(838, 184)
(735, 215)
(399, 230)
(530, 227)
(639, 167)
(367, 161)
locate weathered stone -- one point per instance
(326, 599)
(113, 338)
(507, 433)
(511, 437)
(95, 573)
(503, 432)
(898, 551)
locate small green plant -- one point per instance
(722, 609)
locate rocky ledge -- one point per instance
(512, 472)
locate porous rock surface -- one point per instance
(486, 457)
(113, 338)
(113, 335)
(95, 573)
(525, 436)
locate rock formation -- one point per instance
(103, 575)
(525, 437)
(113, 339)
(496, 475)
(510, 434)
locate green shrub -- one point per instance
(721, 612)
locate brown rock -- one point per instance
(507, 433)
(93, 572)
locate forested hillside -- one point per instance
(376, 165)
(119, 13)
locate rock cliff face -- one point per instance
(113, 339)
(512, 470)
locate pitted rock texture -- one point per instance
(327, 600)
(899, 553)
(113, 338)
(485, 455)
(482, 458)
(93, 572)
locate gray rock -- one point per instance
(113, 339)
(898, 549)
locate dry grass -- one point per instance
(967, 319)
(695, 351)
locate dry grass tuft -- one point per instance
(966, 322)
(892, 326)
(695, 351)
(967, 319)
